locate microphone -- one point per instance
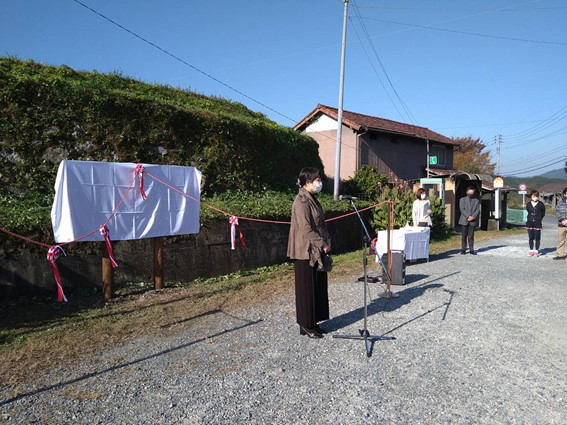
(348, 198)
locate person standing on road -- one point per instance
(561, 213)
(309, 241)
(536, 212)
(421, 211)
(469, 207)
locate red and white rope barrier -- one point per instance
(55, 251)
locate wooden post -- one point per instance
(158, 263)
(389, 250)
(107, 275)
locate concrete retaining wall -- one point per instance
(186, 258)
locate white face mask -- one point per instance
(317, 186)
(422, 196)
(534, 199)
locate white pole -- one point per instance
(497, 211)
(340, 113)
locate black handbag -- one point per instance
(325, 263)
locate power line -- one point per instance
(533, 165)
(544, 124)
(375, 71)
(525, 40)
(524, 143)
(371, 43)
(537, 168)
(488, 125)
(525, 159)
(462, 10)
(177, 58)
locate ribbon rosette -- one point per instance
(52, 256)
(140, 170)
(233, 223)
(105, 233)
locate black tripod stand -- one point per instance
(364, 334)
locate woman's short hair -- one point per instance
(419, 192)
(534, 192)
(308, 174)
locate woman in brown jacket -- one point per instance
(309, 240)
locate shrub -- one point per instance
(403, 198)
(367, 183)
(403, 203)
(50, 114)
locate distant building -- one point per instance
(391, 146)
(550, 193)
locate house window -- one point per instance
(373, 135)
(439, 152)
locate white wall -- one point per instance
(323, 123)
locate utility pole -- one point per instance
(427, 140)
(340, 112)
(498, 140)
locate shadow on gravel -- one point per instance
(545, 251)
(412, 278)
(387, 305)
(444, 255)
(132, 362)
(453, 252)
(489, 248)
(445, 304)
(376, 306)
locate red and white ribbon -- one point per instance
(52, 256)
(233, 223)
(105, 233)
(373, 247)
(140, 170)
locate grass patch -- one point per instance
(35, 330)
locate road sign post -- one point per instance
(523, 190)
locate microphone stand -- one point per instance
(364, 334)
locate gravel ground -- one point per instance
(479, 340)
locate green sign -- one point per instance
(432, 160)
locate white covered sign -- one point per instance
(86, 193)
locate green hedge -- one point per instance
(30, 215)
(55, 113)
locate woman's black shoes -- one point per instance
(311, 333)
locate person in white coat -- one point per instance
(421, 213)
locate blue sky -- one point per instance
(286, 54)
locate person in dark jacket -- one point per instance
(561, 214)
(469, 207)
(536, 212)
(309, 241)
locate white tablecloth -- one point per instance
(414, 241)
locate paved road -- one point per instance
(479, 340)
